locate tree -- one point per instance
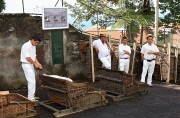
(2, 5)
(110, 11)
(130, 13)
(172, 10)
(140, 13)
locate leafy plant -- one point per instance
(2, 5)
(171, 9)
(115, 13)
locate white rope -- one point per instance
(101, 95)
(22, 106)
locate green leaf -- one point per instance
(120, 23)
(2, 5)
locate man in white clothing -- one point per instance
(29, 60)
(148, 55)
(124, 52)
(102, 49)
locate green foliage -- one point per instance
(110, 12)
(119, 23)
(173, 31)
(162, 36)
(172, 8)
(2, 5)
(132, 30)
(116, 13)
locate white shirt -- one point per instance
(103, 48)
(147, 48)
(122, 53)
(28, 50)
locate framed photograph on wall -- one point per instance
(55, 18)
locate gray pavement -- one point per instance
(162, 101)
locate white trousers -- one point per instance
(30, 77)
(106, 62)
(148, 66)
(124, 65)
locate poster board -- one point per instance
(55, 18)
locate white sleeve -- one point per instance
(142, 50)
(35, 51)
(120, 50)
(94, 43)
(129, 50)
(156, 49)
(26, 51)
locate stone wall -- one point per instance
(17, 29)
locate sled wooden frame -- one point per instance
(119, 85)
(16, 105)
(74, 96)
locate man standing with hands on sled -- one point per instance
(29, 60)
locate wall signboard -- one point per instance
(55, 18)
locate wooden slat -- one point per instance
(48, 87)
(48, 106)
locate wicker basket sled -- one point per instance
(15, 105)
(119, 82)
(73, 95)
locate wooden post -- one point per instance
(134, 48)
(161, 64)
(161, 71)
(109, 39)
(176, 64)
(120, 39)
(156, 20)
(92, 58)
(141, 37)
(23, 6)
(168, 61)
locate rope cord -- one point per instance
(22, 106)
(101, 95)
